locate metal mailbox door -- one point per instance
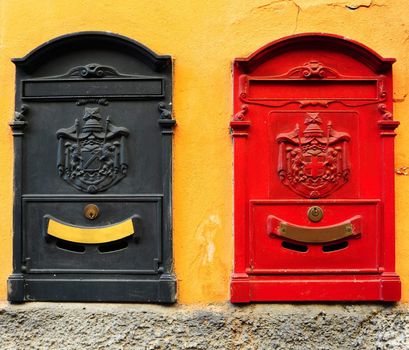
(314, 189)
(93, 149)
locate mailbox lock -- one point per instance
(91, 211)
(315, 214)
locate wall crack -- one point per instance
(297, 15)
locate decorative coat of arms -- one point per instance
(313, 163)
(91, 156)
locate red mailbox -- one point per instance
(313, 172)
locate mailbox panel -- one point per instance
(135, 146)
(313, 165)
(56, 227)
(348, 241)
(93, 165)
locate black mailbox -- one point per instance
(92, 175)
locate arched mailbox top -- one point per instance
(91, 40)
(329, 42)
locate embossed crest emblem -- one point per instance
(313, 163)
(91, 156)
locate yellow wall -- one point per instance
(203, 36)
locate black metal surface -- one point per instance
(93, 125)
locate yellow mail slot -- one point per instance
(90, 235)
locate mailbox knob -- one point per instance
(315, 214)
(91, 211)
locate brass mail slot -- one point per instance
(321, 234)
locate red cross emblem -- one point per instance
(314, 166)
(313, 162)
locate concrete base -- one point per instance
(224, 326)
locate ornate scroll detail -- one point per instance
(240, 115)
(164, 113)
(165, 119)
(387, 125)
(315, 103)
(21, 116)
(19, 121)
(92, 157)
(93, 70)
(386, 115)
(312, 70)
(239, 124)
(312, 163)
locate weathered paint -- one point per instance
(203, 37)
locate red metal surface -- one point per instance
(313, 127)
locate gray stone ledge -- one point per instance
(221, 326)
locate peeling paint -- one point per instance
(365, 4)
(206, 233)
(400, 99)
(351, 5)
(357, 5)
